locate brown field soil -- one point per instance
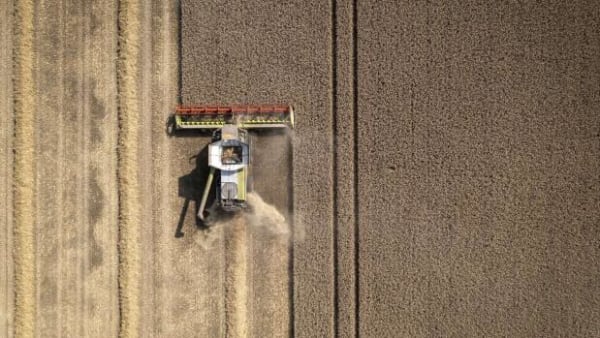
(443, 178)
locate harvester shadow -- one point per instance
(190, 188)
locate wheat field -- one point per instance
(443, 177)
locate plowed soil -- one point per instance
(443, 177)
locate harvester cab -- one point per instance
(230, 150)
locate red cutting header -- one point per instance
(237, 109)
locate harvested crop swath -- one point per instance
(129, 220)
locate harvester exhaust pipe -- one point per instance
(211, 175)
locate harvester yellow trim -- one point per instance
(242, 184)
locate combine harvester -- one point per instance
(231, 147)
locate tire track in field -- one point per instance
(70, 281)
(345, 269)
(73, 136)
(84, 144)
(100, 234)
(60, 173)
(355, 176)
(129, 218)
(24, 254)
(52, 275)
(333, 73)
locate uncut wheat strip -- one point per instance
(129, 222)
(23, 188)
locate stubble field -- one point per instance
(443, 178)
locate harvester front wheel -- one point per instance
(171, 126)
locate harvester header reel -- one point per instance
(243, 116)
